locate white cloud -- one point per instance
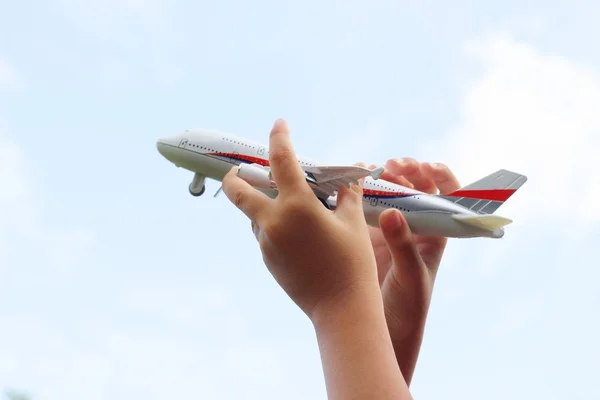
(536, 114)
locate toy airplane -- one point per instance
(465, 213)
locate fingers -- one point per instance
(388, 176)
(349, 202)
(411, 170)
(245, 197)
(350, 199)
(406, 291)
(441, 175)
(286, 170)
(397, 179)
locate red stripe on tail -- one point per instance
(243, 157)
(489, 194)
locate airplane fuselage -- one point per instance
(211, 155)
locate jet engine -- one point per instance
(256, 176)
(260, 178)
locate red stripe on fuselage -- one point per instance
(489, 194)
(384, 193)
(265, 163)
(243, 157)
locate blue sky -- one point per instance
(116, 283)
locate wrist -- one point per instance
(356, 350)
(361, 299)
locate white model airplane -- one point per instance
(465, 213)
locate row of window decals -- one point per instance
(232, 141)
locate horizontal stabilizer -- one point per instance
(488, 222)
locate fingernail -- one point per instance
(279, 122)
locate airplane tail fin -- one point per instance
(487, 194)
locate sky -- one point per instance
(116, 283)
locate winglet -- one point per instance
(376, 173)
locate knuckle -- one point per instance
(274, 232)
(442, 168)
(239, 199)
(405, 182)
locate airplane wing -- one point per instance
(326, 180)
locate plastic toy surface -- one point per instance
(467, 212)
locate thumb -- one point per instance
(406, 289)
(407, 263)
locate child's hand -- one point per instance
(408, 263)
(316, 255)
(325, 263)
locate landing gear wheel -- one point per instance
(197, 186)
(197, 194)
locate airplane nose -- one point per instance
(163, 145)
(168, 146)
(160, 146)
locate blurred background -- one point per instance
(115, 283)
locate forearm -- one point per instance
(406, 350)
(356, 350)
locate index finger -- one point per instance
(397, 179)
(412, 171)
(442, 176)
(244, 196)
(285, 168)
